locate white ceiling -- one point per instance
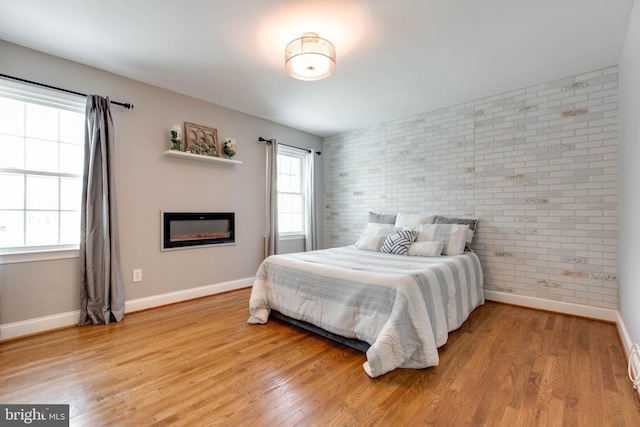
(394, 58)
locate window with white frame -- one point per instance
(291, 190)
(41, 161)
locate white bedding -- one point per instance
(403, 306)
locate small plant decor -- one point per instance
(229, 147)
(176, 138)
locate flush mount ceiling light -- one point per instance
(310, 57)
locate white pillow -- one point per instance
(370, 243)
(426, 249)
(412, 221)
(454, 236)
(373, 236)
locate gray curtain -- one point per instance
(310, 230)
(101, 288)
(271, 200)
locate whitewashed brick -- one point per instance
(548, 230)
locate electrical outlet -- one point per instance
(137, 275)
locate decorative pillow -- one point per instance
(370, 243)
(426, 248)
(471, 222)
(412, 221)
(398, 242)
(381, 219)
(373, 236)
(454, 236)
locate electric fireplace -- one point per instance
(181, 230)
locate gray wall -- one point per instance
(630, 178)
(149, 182)
(537, 166)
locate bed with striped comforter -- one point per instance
(403, 306)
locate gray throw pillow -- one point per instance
(381, 219)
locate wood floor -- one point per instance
(199, 363)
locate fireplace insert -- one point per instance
(188, 229)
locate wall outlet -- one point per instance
(137, 275)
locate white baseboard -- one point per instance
(46, 323)
(187, 294)
(40, 324)
(557, 306)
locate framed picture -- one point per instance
(200, 139)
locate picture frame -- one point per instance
(199, 139)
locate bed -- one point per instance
(403, 307)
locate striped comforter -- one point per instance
(403, 306)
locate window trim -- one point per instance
(292, 236)
(39, 254)
(50, 98)
(299, 153)
(47, 97)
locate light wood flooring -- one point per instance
(199, 363)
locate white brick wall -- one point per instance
(538, 166)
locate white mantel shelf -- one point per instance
(191, 156)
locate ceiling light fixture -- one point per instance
(310, 57)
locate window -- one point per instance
(290, 190)
(41, 159)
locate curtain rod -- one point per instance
(125, 105)
(269, 141)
